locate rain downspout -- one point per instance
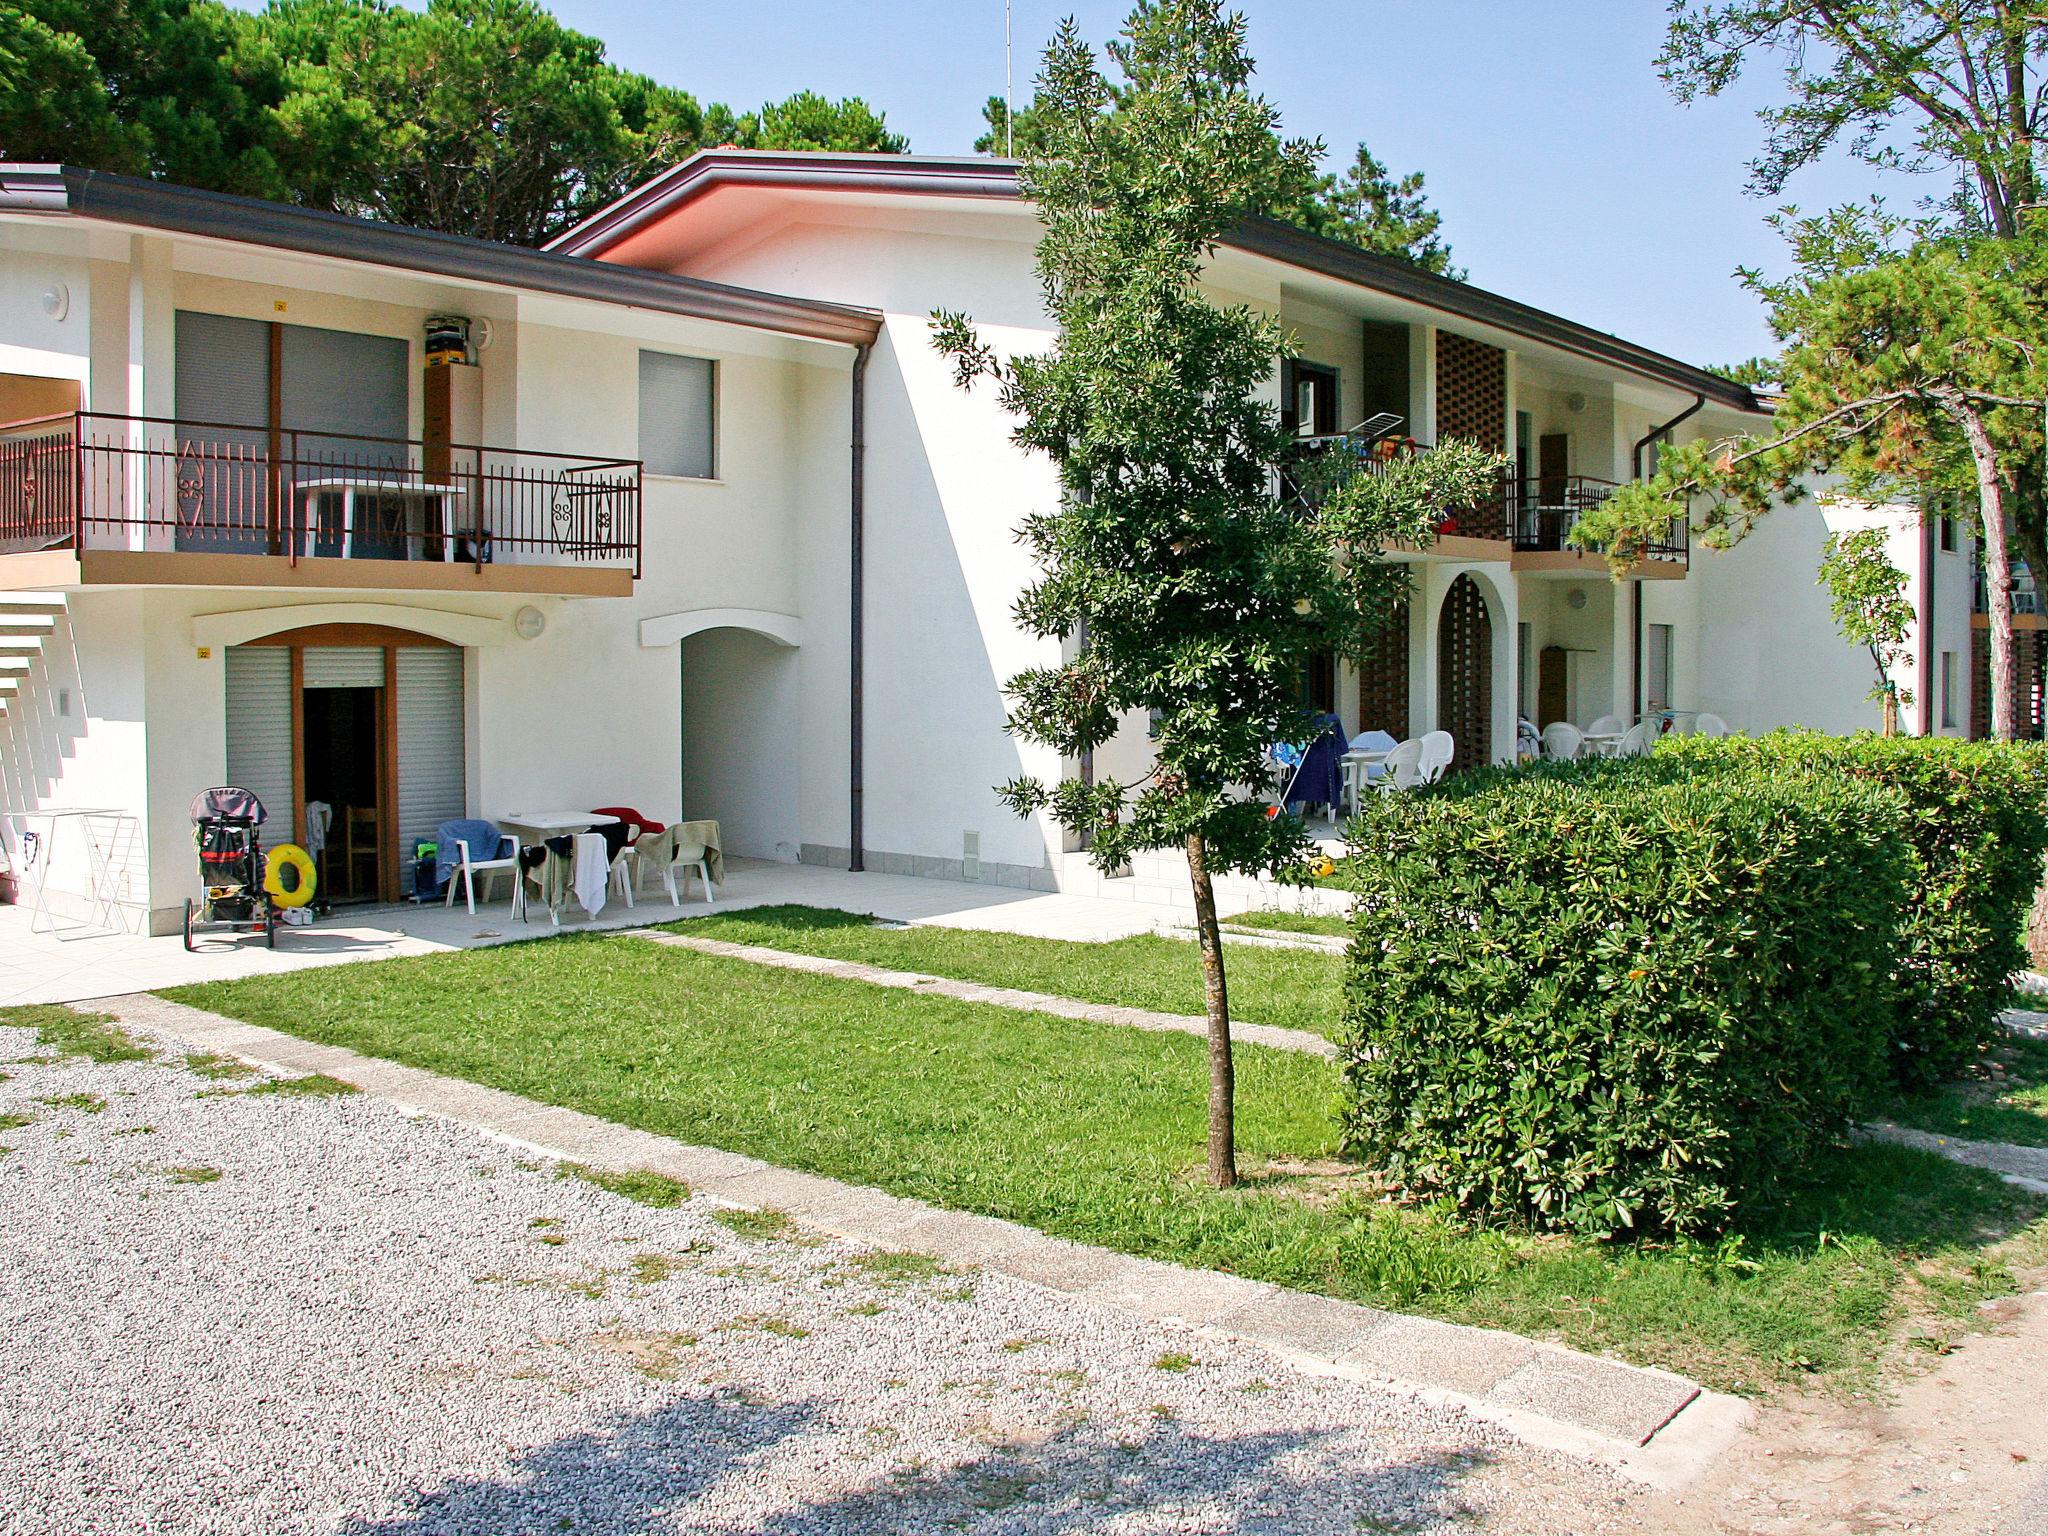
(1655, 434)
(856, 854)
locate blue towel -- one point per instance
(484, 841)
(1320, 778)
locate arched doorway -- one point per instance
(1464, 673)
(364, 719)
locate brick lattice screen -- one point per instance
(1383, 680)
(1464, 686)
(2029, 663)
(1471, 391)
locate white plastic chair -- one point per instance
(1639, 740)
(1562, 739)
(1606, 725)
(1402, 768)
(686, 857)
(625, 864)
(469, 869)
(1710, 725)
(1438, 748)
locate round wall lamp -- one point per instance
(57, 301)
(1576, 598)
(529, 622)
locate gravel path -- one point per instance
(224, 1311)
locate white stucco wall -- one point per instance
(1770, 654)
(946, 491)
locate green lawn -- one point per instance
(1295, 988)
(1324, 924)
(2009, 1106)
(1095, 1133)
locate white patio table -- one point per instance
(1603, 743)
(526, 827)
(428, 508)
(1353, 764)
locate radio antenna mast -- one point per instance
(1009, 108)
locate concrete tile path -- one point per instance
(41, 968)
(1000, 997)
(2026, 1167)
(1655, 1426)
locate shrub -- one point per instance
(1623, 997)
(1975, 824)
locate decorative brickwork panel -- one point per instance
(2030, 681)
(1464, 679)
(1383, 680)
(1471, 391)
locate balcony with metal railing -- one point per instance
(2026, 596)
(1533, 516)
(160, 499)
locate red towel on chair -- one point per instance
(627, 814)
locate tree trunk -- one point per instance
(1222, 1071)
(1997, 565)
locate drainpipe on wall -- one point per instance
(857, 537)
(1926, 617)
(1655, 434)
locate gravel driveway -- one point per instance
(225, 1310)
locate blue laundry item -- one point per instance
(1320, 778)
(484, 839)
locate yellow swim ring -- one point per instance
(296, 889)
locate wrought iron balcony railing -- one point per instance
(89, 480)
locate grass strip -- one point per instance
(1323, 924)
(1095, 1133)
(2006, 1100)
(1292, 988)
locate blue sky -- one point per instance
(1567, 177)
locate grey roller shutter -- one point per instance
(430, 776)
(222, 381)
(260, 731)
(344, 666)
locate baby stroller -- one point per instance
(230, 867)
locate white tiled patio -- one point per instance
(41, 968)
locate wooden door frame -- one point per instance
(390, 641)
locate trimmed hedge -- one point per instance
(1975, 826)
(1619, 997)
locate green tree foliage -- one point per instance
(1945, 89)
(1366, 206)
(1942, 87)
(1179, 584)
(1369, 207)
(480, 117)
(146, 87)
(1905, 367)
(809, 121)
(1867, 594)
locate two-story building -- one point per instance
(687, 513)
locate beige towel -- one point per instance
(660, 849)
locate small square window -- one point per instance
(678, 412)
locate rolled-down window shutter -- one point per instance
(260, 731)
(221, 380)
(430, 777)
(344, 666)
(677, 410)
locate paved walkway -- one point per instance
(2026, 1167)
(1657, 1426)
(1001, 997)
(39, 968)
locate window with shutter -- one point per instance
(678, 407)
